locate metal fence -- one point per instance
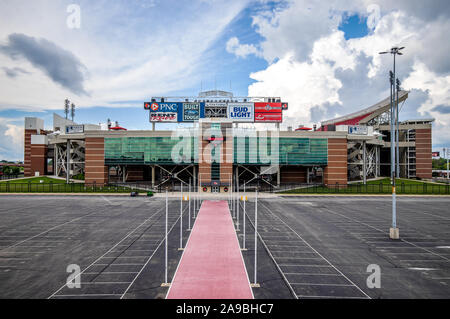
(14, 187)
(3, 177)
(402, 188)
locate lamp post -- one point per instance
(394, 231)
(397, 132)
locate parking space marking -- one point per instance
(268, 242)
(149, 258)
(113, 247)
(313, 284)
(405, 241)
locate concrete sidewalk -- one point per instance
(212, 266)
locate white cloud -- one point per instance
(11, 139)
(130, 52)
(16, 133)
(320, 73)
(241, 50)
(438, 89)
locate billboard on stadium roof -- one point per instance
(191, 112)
(268, 112)
(265, 107)
(269, 117)
(164, 112)
(241, 112)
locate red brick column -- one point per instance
(27, 153)
(95, 169)
(226, 165)
(423, 153)
(336, 170)
(204, 165)
(38, 154)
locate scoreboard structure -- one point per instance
(216, 104)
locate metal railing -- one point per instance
(13, 176)
(381, 188)
(402, 188)
(14, 187)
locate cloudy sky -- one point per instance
(320, 56)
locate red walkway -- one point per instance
(211, 266)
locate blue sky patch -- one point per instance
(354, 26)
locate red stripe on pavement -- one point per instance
(212, 266)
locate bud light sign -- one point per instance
(241, 112)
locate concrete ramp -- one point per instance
(212, 266)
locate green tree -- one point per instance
(6, 170)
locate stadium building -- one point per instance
(227, 144)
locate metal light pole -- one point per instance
(66, 107)
(394, 231)
(397, 132)
(72, 111)
(166, 244)
(255, 283)
(237, 207)
(243, 221)
(447, 155)
(181, 217)
(189, 203)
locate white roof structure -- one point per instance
(365, 115)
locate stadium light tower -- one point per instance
(394, 109)
(72, 111)
(394, 231)
(66, 107)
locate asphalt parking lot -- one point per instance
(323, 245)
(309, 247)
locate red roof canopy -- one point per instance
(303, 129)
(118, 128)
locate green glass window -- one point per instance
(149, 150)
(291, 151)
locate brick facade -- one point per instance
(38, 159)
(423, 153)
(27, 153)
(336, 170)
(95, 169)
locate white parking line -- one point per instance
(300, 258)
(405, 241)
(310, 284)
(124, 257)
(105, 283)
(148, 260)
(359, 289)
(125, 264)
(87, 295)
(118, 243)
(329, 297)
(110, 272)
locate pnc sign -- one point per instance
(164, 112)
